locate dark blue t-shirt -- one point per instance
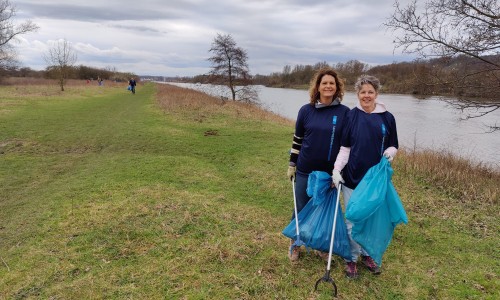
(368, 135)
(321, 129)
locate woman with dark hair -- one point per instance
(316, 141)
(369, 133)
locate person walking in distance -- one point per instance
(132, 84)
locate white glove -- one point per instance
(388, 156)
(336, 178)
(390, 152)
(291, 172)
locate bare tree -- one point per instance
(9, 31)
(454, 28)
(230, 68)
(61, 57)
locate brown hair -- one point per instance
(314, 86)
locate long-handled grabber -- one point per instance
(327, 277)
(298, 242)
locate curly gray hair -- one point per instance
(367, 79)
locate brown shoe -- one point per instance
(322, 255)
(294, 254)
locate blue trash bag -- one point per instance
(316, 218)
(129, 88)
(375, 210)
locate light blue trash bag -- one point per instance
(375, 210)
(316, 218)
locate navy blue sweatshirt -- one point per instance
(368, 135)
(317, 137)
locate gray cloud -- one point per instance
(87, 13)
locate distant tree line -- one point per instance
(419, 77)
(438, 77)
(75, 72)
(299, 76)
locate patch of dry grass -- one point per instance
(37, 88)
(20, 91)
(171, 97)
(463, 180)
(445, 188)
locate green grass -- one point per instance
(107, 195)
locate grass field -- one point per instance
(168, 194)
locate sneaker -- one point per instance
(370, 264)
(294, 254)
(351, 270)
(322, 255)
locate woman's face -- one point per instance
(366, 97)
(327, 88)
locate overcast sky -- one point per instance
(172, 37)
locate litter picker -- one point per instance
(327, 278)
(298, 242)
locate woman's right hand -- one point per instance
(336, 178)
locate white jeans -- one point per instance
(356, 249)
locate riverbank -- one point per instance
(422, 124)
(171, 194)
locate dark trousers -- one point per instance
(301, 196)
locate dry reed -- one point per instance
(459, 178)
(172, 97)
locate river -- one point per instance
(422, 123)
